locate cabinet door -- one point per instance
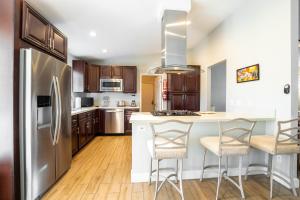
(129, 79)
(105, 72)
(101, 121)
(192, 80)
(58, 43)
(176, 82)
(93, 78)
(176, 101)
(35, 28)
(116, 72)
(127, 124)
(89, 129)
(75, 133)
(79, 76)
(97, 122)
(192, 101)
(82, 133)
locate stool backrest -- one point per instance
(170, 135)
(288, 133)
(235, 133)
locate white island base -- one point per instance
(204, 125)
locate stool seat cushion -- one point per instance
(168, 152)
(212, 144)
(266, 143)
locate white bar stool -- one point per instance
(232, 141)
(285, 142)
(170, 141)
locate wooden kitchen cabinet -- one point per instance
(39, 32)
(192, 101)
(59, 43)
(184, 90)
(85, 77)
(127, 124)
(75, 134)
(176, 82)
(129, 74)
(82, 132)
(93, 80)
(116, 72)
(35, 28)
(105, 72)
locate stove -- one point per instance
(174, 113)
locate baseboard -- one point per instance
(209, 173)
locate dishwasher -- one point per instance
(114, 121)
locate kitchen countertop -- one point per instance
(204, 117)
(87, 109)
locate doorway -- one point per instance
(150, 93)
(217, 87)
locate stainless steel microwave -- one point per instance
(111, 85)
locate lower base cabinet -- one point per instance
(127, 124)
(84, 128)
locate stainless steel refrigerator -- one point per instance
(45, 122)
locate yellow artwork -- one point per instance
(246, 74)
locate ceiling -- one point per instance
(130, 27)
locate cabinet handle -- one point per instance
(78, 131)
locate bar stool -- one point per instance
(169, 141)
(233, 140)
(285, 142)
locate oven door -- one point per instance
(111, 85)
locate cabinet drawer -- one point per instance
(82, 116)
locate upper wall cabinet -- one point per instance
(85, 77)
(129, 74)
(107, 72)
(39, 32)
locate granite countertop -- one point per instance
(87, 109)
(203, 117)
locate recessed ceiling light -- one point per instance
(93, 33)
(104, 50)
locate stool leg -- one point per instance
(271, 175)
(246, 173)
(150, 172)
(219, 177)
(176, 177)
(226, 165)
(157, 178)
(291, 175)
(269, 164)
(240, 177)
(203, 165)
(180, 178)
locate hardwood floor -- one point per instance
(102, 171)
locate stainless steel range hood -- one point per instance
(174, 45)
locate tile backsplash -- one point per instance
(114, 97)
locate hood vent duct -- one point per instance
(174, 45)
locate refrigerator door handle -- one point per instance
(54, 87)
(60, 110)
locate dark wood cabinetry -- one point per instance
(39, 32)
(127, 115)
(105, 72)
(116, 72)
(84, 128)
(85, 77)
(93, 80)
(75, 133)
(184, 90)
(129, 74)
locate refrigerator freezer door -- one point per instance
(63, 139)
(37, 134)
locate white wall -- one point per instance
(264, 32)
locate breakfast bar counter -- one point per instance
(204, 124)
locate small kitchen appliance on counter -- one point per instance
(133, 103)
(121, 103)
(174, 113)
(87, 101)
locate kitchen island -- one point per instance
(206, 124)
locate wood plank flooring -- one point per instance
(102, 171)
